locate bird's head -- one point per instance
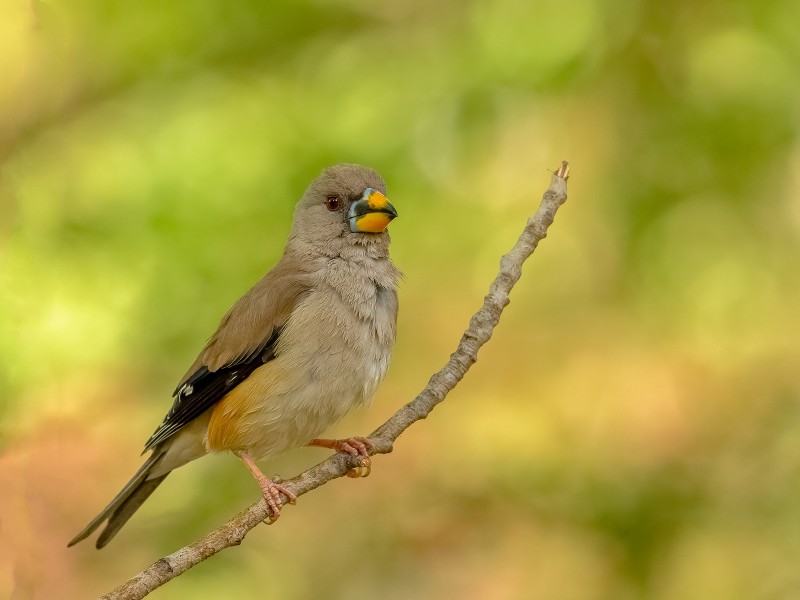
(346, 201)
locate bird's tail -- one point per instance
(124, 504)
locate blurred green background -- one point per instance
(631, 431)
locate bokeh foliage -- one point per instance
(632, 430)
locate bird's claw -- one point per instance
(363, 470)
(272, 497)
(356, 446)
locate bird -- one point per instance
(306, 344)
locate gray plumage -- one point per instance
(307, 343)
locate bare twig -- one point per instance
(480, 330)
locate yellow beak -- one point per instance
(372, 213)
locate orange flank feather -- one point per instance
(240, 420)
(236, 413)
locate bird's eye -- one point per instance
(332, 202)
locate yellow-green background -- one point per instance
(631, 431)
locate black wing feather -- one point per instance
(204, 388)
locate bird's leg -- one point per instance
(354, 446)
(272, 491)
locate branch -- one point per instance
(440, 384)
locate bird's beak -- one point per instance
(372, 213)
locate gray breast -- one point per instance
(385, 315)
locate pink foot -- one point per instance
(272, 491)
(272, 496)
(354, 446)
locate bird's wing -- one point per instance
(246, 338)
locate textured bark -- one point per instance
(440, 384)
